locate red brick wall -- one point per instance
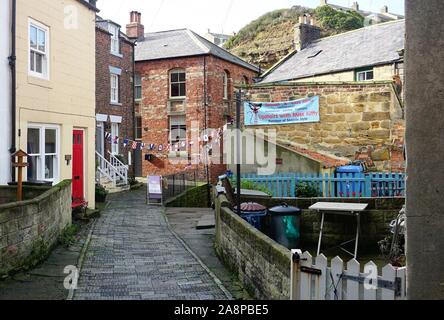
(155, 97)
(104, 59)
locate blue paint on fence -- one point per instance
(347, 185)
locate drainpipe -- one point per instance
(207, 169)
(134, 105)
(12, 64)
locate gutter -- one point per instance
(12, 63)
(207, 168)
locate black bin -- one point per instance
(285, 225)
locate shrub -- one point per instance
(250, 185)
(68, 236)
(101, 193)
(307, 190)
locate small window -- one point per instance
(115, 79)
(226, 85)
(114, 134)
(43, 153)
(178, 133)
(38, 50)
(177, 84)
(138, 128)
(138, 87)
(364, 75)
(115, 42)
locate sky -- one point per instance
(220, 16)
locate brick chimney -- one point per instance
(135, 29)
(355, 6)
(384, 9)
(305, 32)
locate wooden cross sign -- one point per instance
(20, 165)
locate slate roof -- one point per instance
(182, 43)
(370, 46)
(383, 17)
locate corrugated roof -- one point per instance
(369, 46)
(182, 43)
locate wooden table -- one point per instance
(350, 209)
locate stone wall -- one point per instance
(31, 225)
(8, 193)
(358, 121)
(374, 222)
(262, 265)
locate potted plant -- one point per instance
(101, 193)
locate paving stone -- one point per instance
(133, 255)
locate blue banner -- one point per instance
(274, 113)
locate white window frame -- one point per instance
(138, 84)
(115, 88)
(226, 85)
(45, 54)
(41, 156)
(365, 73)
(173, 141)
(115, 39)
(178, 71)
(114, 133)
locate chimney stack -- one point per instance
(323, 3)
(355, 6)
(385, 9)
(135, 29)
(305, 32)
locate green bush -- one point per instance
(101, 193)
(307, 190)
(250, 185)
(338, 21)
(68, 236)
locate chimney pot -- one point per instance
(384, 9)
(355, 6)
(135, 29)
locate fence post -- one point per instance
(295, 276)
(368, 186)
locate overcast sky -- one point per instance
(218, 15)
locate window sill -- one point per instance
(119, 55)
(178, 154)
(177, 98)
(116, 104)
(38, 81)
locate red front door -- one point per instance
(77, 166)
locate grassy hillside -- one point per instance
(269, 38)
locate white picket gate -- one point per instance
(313, 279)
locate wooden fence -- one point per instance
(314, 279)
(344, 185)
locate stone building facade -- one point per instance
(114, 90)
(359, 121)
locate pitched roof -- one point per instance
(383, 17)
(182, 43)
(89, 5)
(375, 45)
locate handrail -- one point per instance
(111, 171)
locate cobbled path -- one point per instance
(134, 256)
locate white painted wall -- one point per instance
(5, 92)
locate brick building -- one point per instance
(114, 94)
(185, 84)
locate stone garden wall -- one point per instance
(29, 229)
(262, 265)
(359, 121)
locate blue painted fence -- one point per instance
(344, 185)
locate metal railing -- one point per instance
(176, 184)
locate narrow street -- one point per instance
(133, 255)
